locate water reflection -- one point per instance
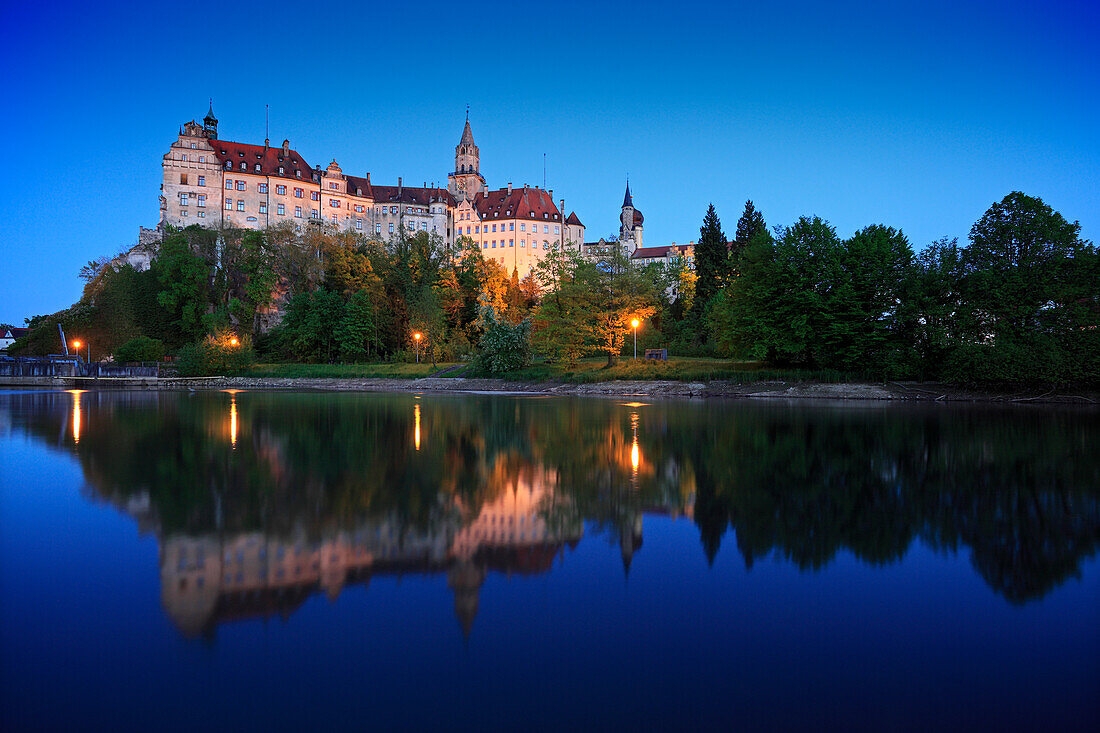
(323, 491)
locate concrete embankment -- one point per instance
(895, 391)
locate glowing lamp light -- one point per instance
(233, 341)
(416, 336)
(76, 344)
(634, 323)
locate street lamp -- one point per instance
(634, 323)
(233, 341)
(417, 337)
(77, 344)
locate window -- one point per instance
(297, 193)
(297, 212)
(229, 204)
(494, 227)
(545, 244)
(202, 158)
(494, 244)
(282, 170)
(509, 243)
(315, 195)
(263, 188)
(467, 230)
(201, 214)
(263, 207)
(334, 186)
(545, 228)
(298, 174)
(244, 166)
(557, 230)
(228, 184)
(314, 213)
(511, 226)
(523, 227)
(358, 209)
(183, 199)
(193, 146)
(257, 167)
(377, 228)
(391, 227)
(184, 158)
(359, 224)
(512, 243)
(202, 199)
(523, 243)
(240, 205)
(280, 209)
(281, 190)
(228, 164)
(334, 218)
(183, 179)
(393, 209)
(240, 185)
(477, 230)
(333, 203)
(202, 180)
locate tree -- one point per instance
(356, 333)
(562, 321)
(184, 291)
(504, 347)
(619, 292)
(711, 267)
(749, 226)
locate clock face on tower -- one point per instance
(461, 184)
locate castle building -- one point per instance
(216, 183)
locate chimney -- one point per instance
(286, 147)
(368, 178)
(399, 185)
(551, 192)
(562, 209)
(509, 188)
(267, 143)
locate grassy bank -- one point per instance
(345, 371)
(677, 369)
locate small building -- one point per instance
(9, 335)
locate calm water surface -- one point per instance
(261, 561)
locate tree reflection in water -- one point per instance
(261, 499)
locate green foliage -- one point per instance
(504, 347)
(141, 348)
(711, 263)
(215, 355)
(356, 333)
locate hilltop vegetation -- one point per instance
(1018, 305)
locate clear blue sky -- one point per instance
(913, 114)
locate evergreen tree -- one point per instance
(711, 262)
(749, 225)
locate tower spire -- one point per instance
(627, 200)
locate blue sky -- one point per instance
(918, 115)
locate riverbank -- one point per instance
(777, 389)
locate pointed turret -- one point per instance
(210, 123)
(467, 133)
(466, 180)
(627, 200)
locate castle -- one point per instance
(217, 183)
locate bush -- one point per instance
(503, 347)
(215, 355)
(141, 348)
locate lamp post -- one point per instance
(77, 345)
(634, 323)
(233, 341)
(417, 337)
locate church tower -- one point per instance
(466, 180)
(630, 229)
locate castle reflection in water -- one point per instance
(210, 579)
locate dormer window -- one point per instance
(257, 167)
(298, 174)
(244, 166)
(240, 153)
(281, 170)
(228, 165)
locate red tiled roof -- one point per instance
(572, 219)
(269, 159)
(410, 195)
(356, 184)
(522, 203)
(645, 253)
(18, 332)
(638, 218)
